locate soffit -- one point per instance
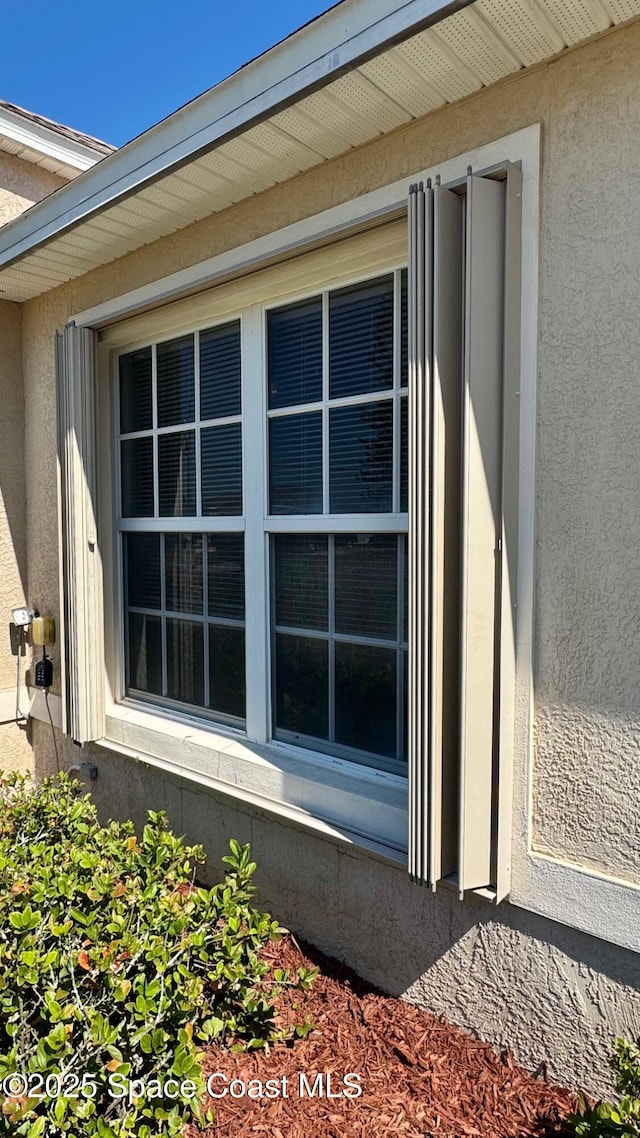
(18, 150)
(470, 49)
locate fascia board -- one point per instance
(349, 33)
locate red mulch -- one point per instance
(420, 1076)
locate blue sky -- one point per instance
(113, 69)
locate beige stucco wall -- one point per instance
(15, 752)
(23, 183)
(549, 992)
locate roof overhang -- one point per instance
(33, 140)
(362, 69)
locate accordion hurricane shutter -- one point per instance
(82, 651)
(463, 309)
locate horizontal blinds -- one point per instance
(464, 271)
(81, 568)
(365, 253)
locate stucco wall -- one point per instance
(15, 752)
(549, 992)
(23, 183)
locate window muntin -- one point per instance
(337, 424)
(181, 473)
(337, 419)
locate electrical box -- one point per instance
(43, 631)
(44, 673)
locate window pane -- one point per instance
(225, 567)
(406, 589)
(137, 478)
(222, 470)
(185, 661)
(367, 584)
(295, 464)
(301, 563)
(142, 557)
(361, 338)
(227, 670)
(177, 474)
(145, 653)
(183, 572)
(405, 707)
(176, 382)
(220, 372)
(361, 458)
(404, 331)
(295, 353)
(366, 698)
(302, 685)
(404, 455)
(136, 411)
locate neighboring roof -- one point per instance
(361, 69)
(46, 143)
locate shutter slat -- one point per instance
(420, 344)
(481, 524)
(445, 528)
(510, 493)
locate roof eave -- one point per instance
(45, 141)
(344, 36)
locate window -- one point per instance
(333, 401)
(269, 440)
(181, 470)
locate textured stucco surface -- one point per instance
(15, 751)
(520, 981)
(587, 776)
(12, 501)
(515, 978)
(23, 183)
(590, 814)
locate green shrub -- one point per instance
(114, 967)
(611, 1120)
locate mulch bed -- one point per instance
(419, 1075)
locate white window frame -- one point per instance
(332, 794)
(340, 799)
(201, 524)
(255, 522)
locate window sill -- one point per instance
(341, 800)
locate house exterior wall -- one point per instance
(551, 993)
(23, 183)
(14, 747)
